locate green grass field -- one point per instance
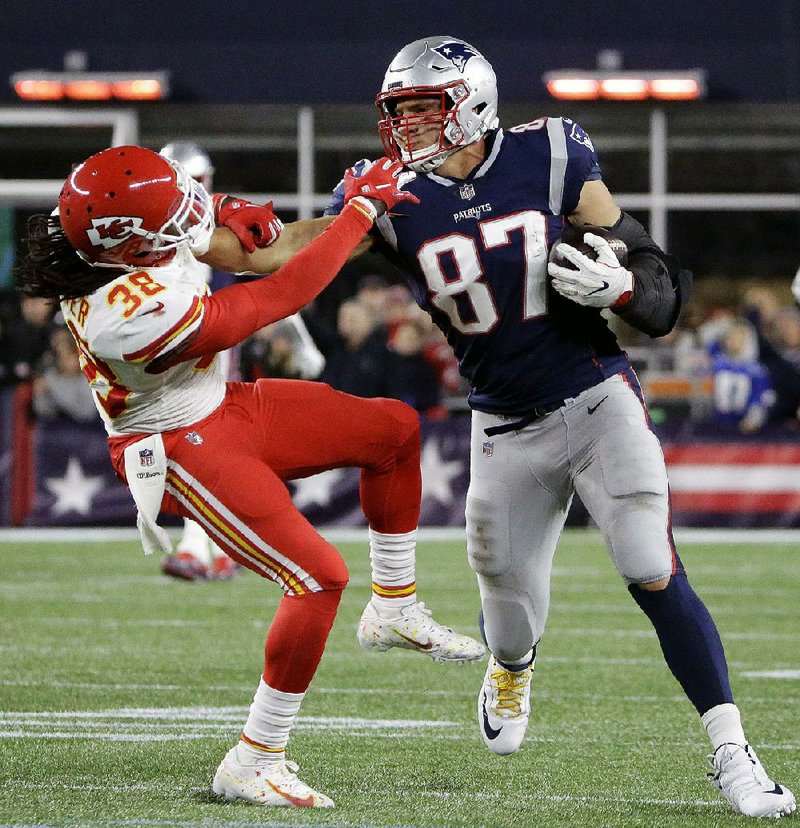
(120, 691)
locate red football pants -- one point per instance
(227, 472)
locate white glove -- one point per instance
(603, 283)
(796, 287)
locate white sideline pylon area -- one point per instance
(356, 534)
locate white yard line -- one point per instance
(426, 533)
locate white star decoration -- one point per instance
(74, 491)
(315, 489)
(438, 475)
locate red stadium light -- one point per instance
(675, 89)
(625, 89)
(87, 90)
(39, 90)
(572, 84)
(142, 89)
(574, 89)
(91, 86)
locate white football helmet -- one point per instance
(452, 71)
(193, 158)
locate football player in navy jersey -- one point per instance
(557, 408)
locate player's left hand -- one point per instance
(255, 225)
(597, 283)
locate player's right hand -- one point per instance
(255, 225)
(380, 187)
(336, 204)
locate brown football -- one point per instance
(573, 236)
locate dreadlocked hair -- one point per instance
(51, 268)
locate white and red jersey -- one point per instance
(124, 327)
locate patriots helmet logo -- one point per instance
(457, 53)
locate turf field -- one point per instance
(120, 691)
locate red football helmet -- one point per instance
(130, 208)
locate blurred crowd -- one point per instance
(740, 358)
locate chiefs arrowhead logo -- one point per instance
(110, 231)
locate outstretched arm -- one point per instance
(226, 252)
(235, 312)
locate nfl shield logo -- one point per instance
(488, 449)
(466, 191)
(194, 438)
(146, 457)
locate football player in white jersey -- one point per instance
(196, 556)
(187, 443)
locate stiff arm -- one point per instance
(226, 253)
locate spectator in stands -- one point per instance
(413, 378)
(61, 390)
(282, 350)
(357, 359)
(440, 355)
(25, 339)
(372, 291)
(762, 310)
(742, 392)
(786, 327)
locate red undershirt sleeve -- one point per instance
(235, 312)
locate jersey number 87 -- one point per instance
(463, 250)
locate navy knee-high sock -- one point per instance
(689, 640)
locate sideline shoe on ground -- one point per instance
(416, 630)
(504, 705)
(738, 773)
(274, 784)
(223, 568)
(184, 565)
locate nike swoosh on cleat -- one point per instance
(490, 732)
(428, 645)
(593, 408)
(776, 790)
(299, 801)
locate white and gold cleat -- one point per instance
(267, 783)
(415, 629)
(504, 706)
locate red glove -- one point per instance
(383, 181)
(254, 225)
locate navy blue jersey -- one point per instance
(476, 253)
(739, 388)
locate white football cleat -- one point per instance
(738, 773)
(504, 705)
(270, 783)
(414, 629)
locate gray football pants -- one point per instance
(597, 444)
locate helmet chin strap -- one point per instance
(428, 165)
